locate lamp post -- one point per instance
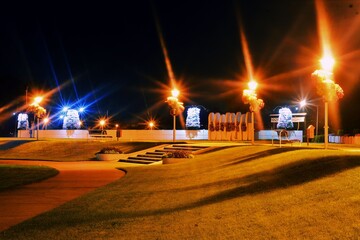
(327, 88)
(250, 97)
(46, 122)
(38, 111)
(175, 108)
(102, 123)
(151, 125)
(303, 103)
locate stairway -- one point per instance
(156, 155)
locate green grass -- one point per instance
(247, 192)
(12, 176)
(64, 150)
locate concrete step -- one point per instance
(150, 156)
(145, 158)
(182, 148)
(154, 153)
(189, 146)
(135, 161)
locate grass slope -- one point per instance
(248, 192)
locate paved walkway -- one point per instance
(74, 180)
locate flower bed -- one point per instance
(109, 154)
(176, 156)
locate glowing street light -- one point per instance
(151, 125)
(102, 123)
(303, 103)
(176, 108)
(38, 100)
(252, 85)
(46, 122)
(327, 88)
(38, 111)
(250, 97)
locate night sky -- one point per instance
(107, 56)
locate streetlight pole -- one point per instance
(174, 127)
(176, 108)
(38, 112)
(37, 127)
(250, 97)
(317, 120)
(327, 88)
(326, 127)
(252, 128)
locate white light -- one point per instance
(303, 103)
(327, 63)
(252, 85)
(65, 109)
(81, 109)
(37, 100)
(175, 93)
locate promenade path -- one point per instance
(74, 180)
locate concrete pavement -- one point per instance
(74, 180)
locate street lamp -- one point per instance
(176, 108)
(250, 97)
(151, 125)
(102, 123)
(38, 111)
(46, 122)
(327, 88)
(303, 103)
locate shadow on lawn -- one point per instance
(279, 178)
(286, 176)
(262, 154)
(13, 144)
(283, 177)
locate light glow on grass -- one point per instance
(256, 191)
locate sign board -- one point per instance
(296, 117)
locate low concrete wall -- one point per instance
(345, 139)
(273, 135)
(129, 135)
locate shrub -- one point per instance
(111, 150)
(178, 154)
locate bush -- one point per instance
(111, 150)
(178, 154)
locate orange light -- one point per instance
(46, 120)
(38, 99)
(102, 122)
(252, 85)
(175, 93)
(327, 63)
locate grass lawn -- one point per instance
(64, 150)
(244, 192)
(16, 175)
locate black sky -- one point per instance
(110, 55)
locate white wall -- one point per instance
(271, 134)
(125, 134)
